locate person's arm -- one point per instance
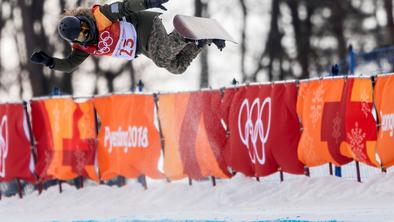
(117, 10)
(68, 64)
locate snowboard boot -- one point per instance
(220, 44)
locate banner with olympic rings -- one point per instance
(264, 129)
(16, 160)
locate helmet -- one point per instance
(71, 27)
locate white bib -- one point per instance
(127, 44)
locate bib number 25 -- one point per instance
(127, 48)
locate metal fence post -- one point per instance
(338, 170)
(142, 179)
(351, 60)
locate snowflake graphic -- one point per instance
(317, 105)
(356, 139)
(318, 94)
(365, 103)
(80, 161)
(309, 148)
(336, 127)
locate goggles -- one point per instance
(83, 33)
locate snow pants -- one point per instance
(170, 51)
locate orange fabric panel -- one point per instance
(129, 142)
(384, 91)
(68, 149)
(193, 134)
(60, 129)
(87, 131)
(172, 110)
(205, 156)
(102, 21)
(317, 99)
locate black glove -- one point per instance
(40, 57)
(155, 4)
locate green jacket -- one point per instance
(133, 11)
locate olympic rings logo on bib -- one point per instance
(105, 43)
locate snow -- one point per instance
(299, 198)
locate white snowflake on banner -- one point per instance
(365, 103)
(309, 146)
(317, 105)
(356, 139)
(336, 127)
(80, 161)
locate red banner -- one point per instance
(193, 134)
(16, 159)
(264, 129)
(361, 132)
(66, 138)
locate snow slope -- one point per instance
(241, 198)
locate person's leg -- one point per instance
(163, 48)
(184, 58)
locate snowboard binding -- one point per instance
(219, 43)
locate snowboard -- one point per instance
(196, 28)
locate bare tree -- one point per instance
(110, 75)
(303, 33)
(66, 81)
(201, 10)
(2, 22)
(338, 17)
(243, 38)
(388, 6)
(273, 50)
(34, 37)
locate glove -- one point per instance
(40, 57)
(155, 4)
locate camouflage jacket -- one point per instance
(133, 11)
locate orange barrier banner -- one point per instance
(129, 141)
(15, 154)
(66, 138)
(384, 91)
(321, 107)
(193, 135)
(361, 132)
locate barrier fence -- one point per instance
(256, 130)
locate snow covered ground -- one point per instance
(298, 198)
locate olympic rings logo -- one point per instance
(105, 43)
(254, 131)
(3, 145)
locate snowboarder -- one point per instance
(123, 30)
